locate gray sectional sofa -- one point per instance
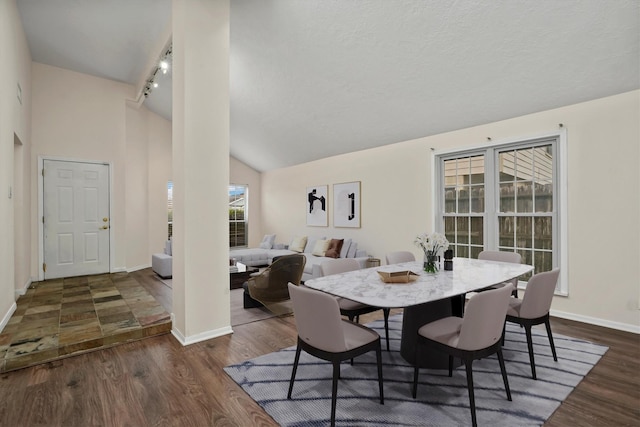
(268, 249)
(162, 263)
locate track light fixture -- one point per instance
(163, 66)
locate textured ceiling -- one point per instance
(315, 78)
(104, 38)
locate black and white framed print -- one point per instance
(346, 204)
(317, 206)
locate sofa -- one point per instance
(314, 248)
(161, 263)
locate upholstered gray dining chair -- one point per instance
(503, 256)
(400, 256)
(475, 336)
(533, 309)
(323, 333)
(349, 308)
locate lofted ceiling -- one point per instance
(317, 78)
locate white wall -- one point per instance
(22, 160)
(159, 170)
(603, 211)
(137, 175)
(200, 147)
(15, 146)
(82, 117)
(77, 116)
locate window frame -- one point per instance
(491, 150)
(246, 214)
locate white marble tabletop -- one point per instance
(367, 287)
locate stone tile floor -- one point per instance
(63, 317)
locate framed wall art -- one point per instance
(346, 204)
(317, 206)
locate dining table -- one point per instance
(424, 298)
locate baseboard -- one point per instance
(138, 267)
(7, 316)
(596, 321)
(23, 289)
(119, 270)
(203, 336)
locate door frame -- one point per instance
(112, 224)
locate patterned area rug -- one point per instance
(442, 401)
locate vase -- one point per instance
(431, 264)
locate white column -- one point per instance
(200, 169)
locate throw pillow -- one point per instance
(320, 247)
(345, 248)
(311, 244)
(267, 241)
(353, 249)
(335, 246)
(298, 243)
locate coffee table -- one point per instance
(237, 278)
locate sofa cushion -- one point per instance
(353, 248)
(345, 248)
(320, 247)
(311, 244)
(335, 246)
(298, 243)
(267, 241)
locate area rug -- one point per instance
(441, 401)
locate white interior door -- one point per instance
(76, 218)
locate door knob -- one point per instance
(105, 219)
(104, 227)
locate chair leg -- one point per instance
(379, 360)
(504, 374)
(386, 311)
(351, 317)
(334, 391)
(450, 365)
(527, 330)
(550, 335)
(416, 368)
(293, 372)
(472, 399)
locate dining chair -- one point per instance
(400, 256)
(350, 308)
(503, 256)
(533, 309)
(475, 336)
(323, 333)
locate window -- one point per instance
(504, 197)
(170, 208)
(238, 215)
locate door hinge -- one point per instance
(43, 219)
(44, 267)
(42, 172)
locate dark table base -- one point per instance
(419, 315)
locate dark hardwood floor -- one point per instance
(157, 382)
